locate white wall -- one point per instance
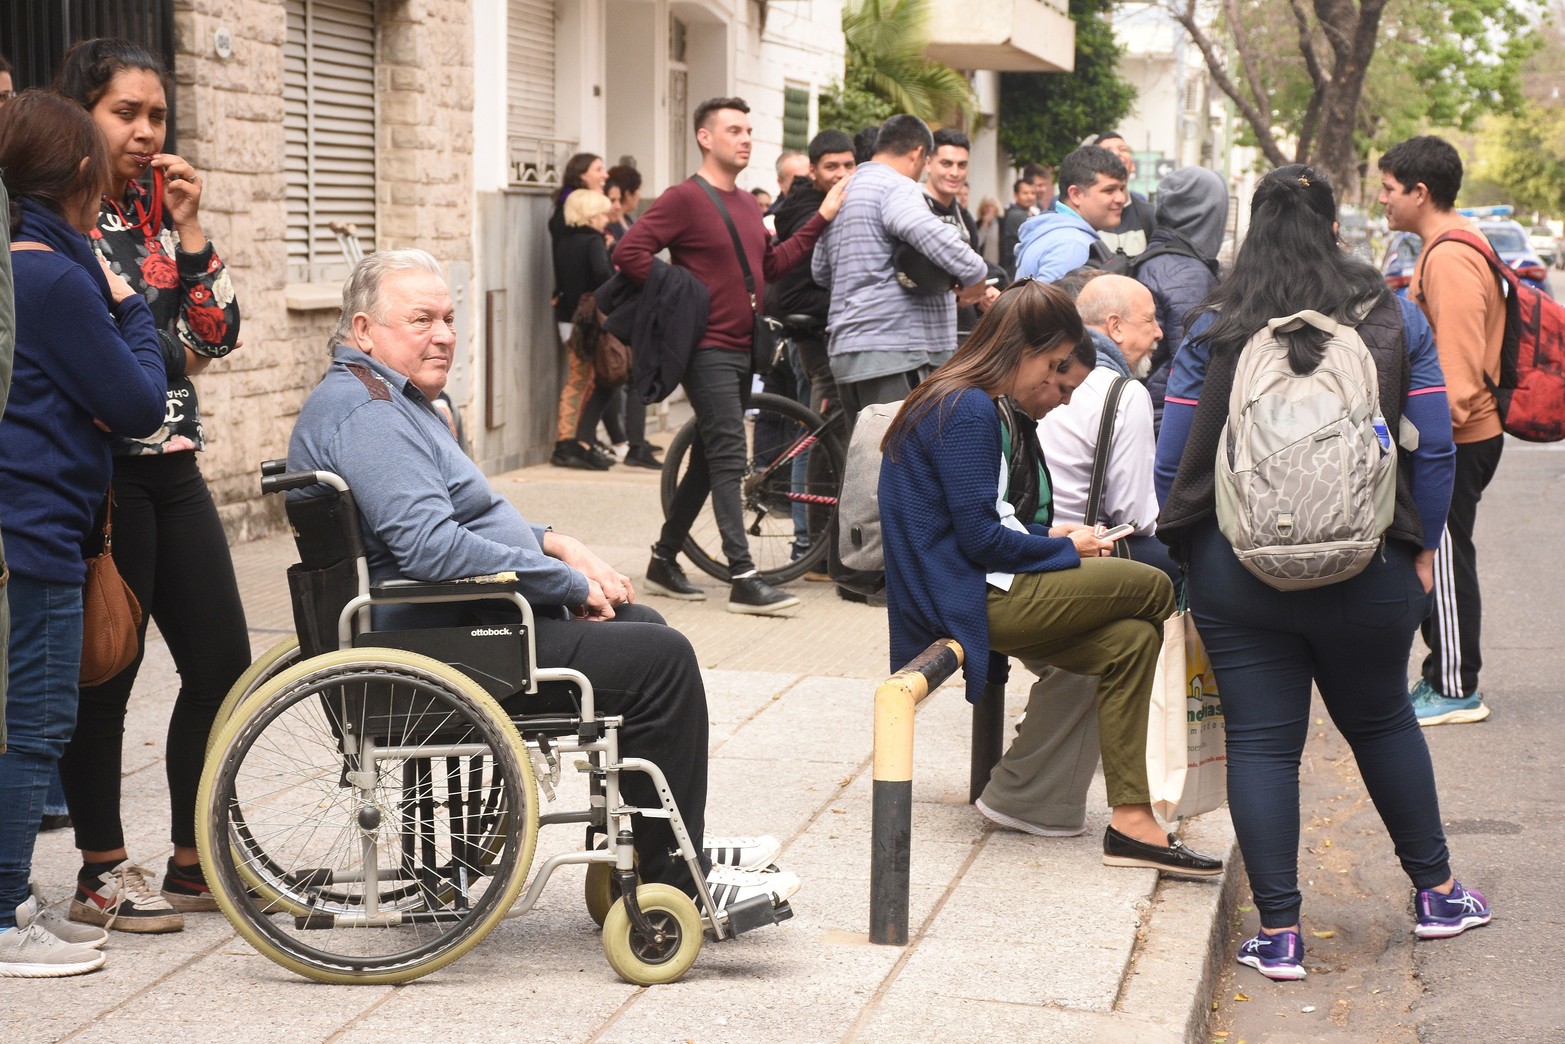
(490, 157)
(801, 47)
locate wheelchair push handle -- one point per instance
(281, 481)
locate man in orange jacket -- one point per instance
(1462, 298)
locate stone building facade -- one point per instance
(231, 113)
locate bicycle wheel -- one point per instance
(372, 869)
(788, 496)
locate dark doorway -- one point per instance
(35, 34)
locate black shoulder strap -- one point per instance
(744, 262)
(1100, 455)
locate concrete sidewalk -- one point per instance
(1013, 937)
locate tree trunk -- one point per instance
(1352, 34)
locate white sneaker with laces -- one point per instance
(63, 928)
(744, 853)
(29, 952)
(729, 885)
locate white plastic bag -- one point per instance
(1187, 750)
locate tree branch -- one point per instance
(1259, 122)
(1307, 46)
(1246, 53)
(1318, 79)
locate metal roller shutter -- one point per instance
(329, 102)
(530, 90)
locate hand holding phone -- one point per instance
(1118, 531)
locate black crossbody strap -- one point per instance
(1100, 455)
(744, 262)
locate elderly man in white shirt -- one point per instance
(1122, 316)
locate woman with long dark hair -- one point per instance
(168, 539)
(87, 364)
(1350, 639)
(971, 553)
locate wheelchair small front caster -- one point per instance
(666, 952)
(600, 891)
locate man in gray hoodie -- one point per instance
(1180, 262)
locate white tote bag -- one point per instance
(1187, 750)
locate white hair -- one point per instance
(361, 293)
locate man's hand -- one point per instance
(1424, 566)
(978, 292)
(597, 606)
(614, 585)
(833, 201)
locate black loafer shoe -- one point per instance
(1119, 850)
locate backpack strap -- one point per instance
(744, 262)
(1105, 446)
(1510, 285)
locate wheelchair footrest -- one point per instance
(756, 913)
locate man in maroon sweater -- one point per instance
(686, 222)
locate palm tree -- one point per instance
(885, 50)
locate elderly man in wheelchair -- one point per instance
(368, 807)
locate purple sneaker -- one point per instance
(1442, 916)
(1279, 956)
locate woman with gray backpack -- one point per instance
(1304, 469)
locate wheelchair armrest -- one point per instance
(471, 587)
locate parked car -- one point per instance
(1401, 254)
(1507, 237)
(1510, 241)
(1543, 242)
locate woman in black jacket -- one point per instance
(581, 265)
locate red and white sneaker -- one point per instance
(122, 900)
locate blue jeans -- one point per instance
(40, 714)
(1351, 639)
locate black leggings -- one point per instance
(170, 547)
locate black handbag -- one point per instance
(764, 342)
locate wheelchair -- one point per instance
(368, 811)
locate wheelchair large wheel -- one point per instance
(272, 662)
(367, 816)
(665, 954)
(788, 496)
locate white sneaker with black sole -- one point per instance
(29, 951)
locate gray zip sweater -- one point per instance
(427, 511)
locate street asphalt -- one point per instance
(1012, 936)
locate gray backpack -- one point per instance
(857, 560)
(1306, 472)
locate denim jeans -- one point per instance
(717, 382)
(40, 713)
(1351, 640)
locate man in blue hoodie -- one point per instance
(1092, 198)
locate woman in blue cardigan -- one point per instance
(960, 562)
(87, 365)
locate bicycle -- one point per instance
(793, 473)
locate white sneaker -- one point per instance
(29, 952)
(63, 928)
(729, 885)
(743, 853)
